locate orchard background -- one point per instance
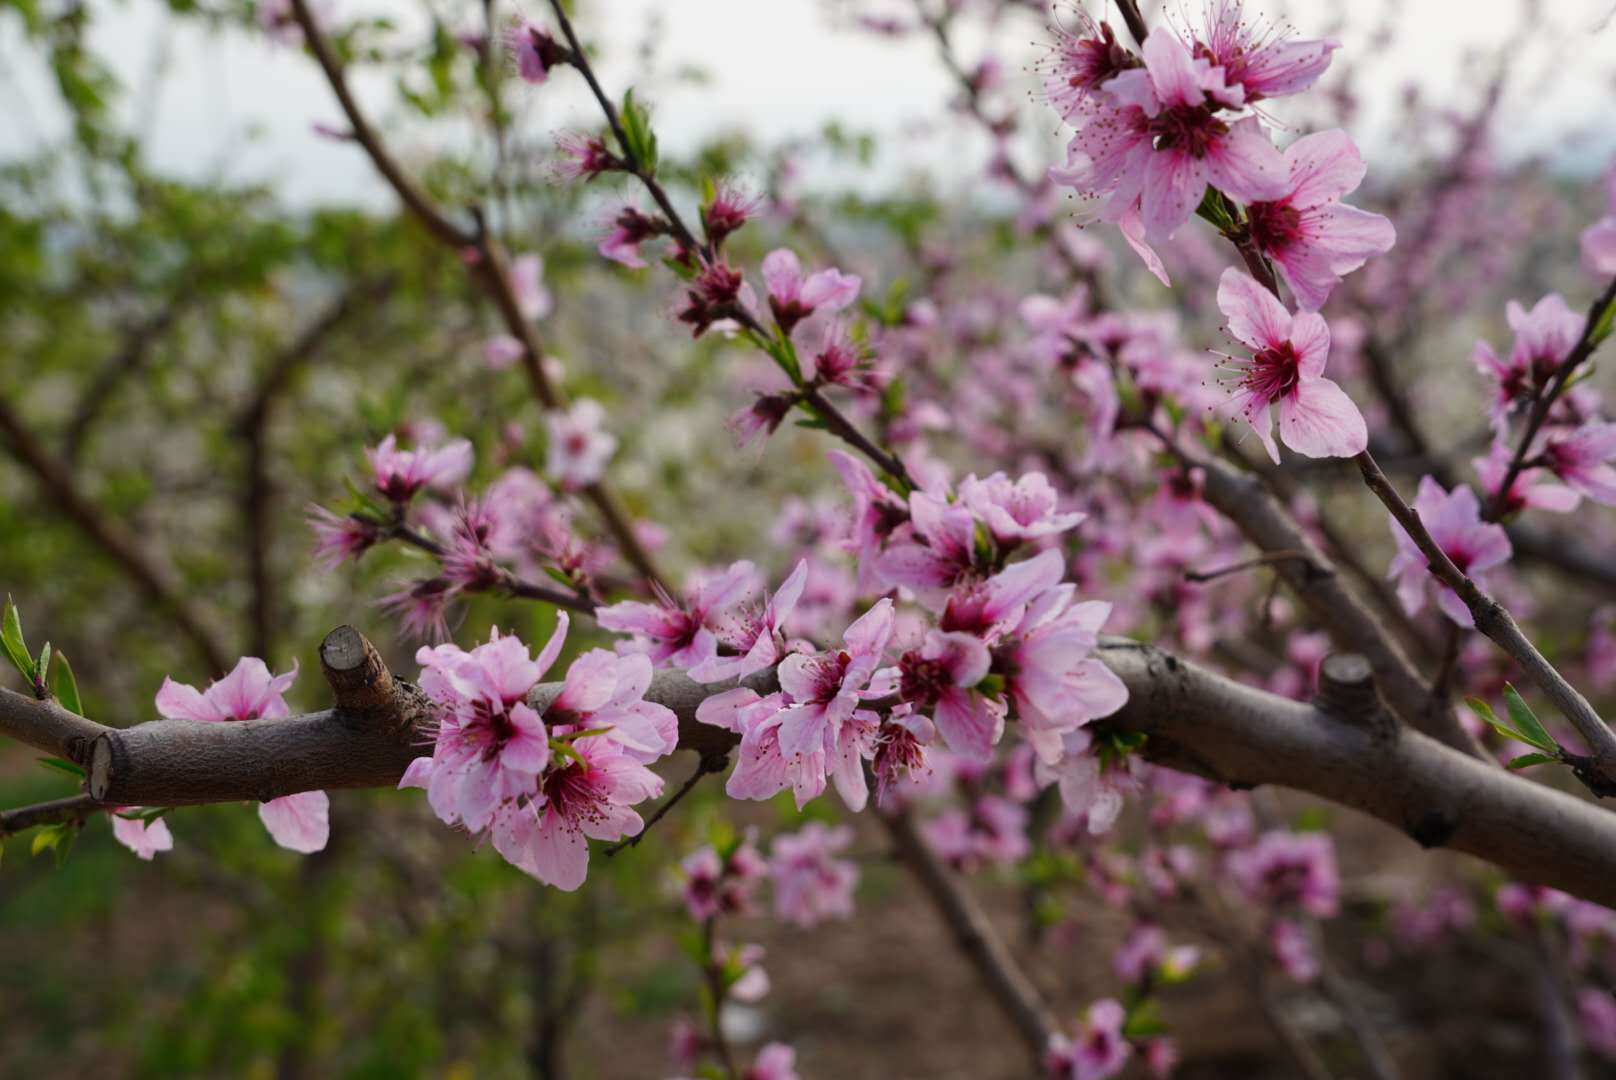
(895, 358)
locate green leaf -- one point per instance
(1485, 711)
(63, 765)
(636, 124)
(11, 638)
(1603, 326)
(57, 838)
(1527, 760)
(1144, 1020)
(65, 685)
(1526, 721)
(42, 669)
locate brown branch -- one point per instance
(1268, 558)
(417, 201)
(1135, 22)
(974, 935)
(1495, 621)
(1196, 720)
(57, 482)
(72, 808)
(1244, 500)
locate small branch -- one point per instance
(1266, 559)
(417, 201)
(489, 270)
(57, 482)
(1129, 9)
(974, 935)
(580, 60)
(45, 725)
(1354, 627)
(704, 767)
(835, 421)
(1546, 399)
(1494, 620)
(72, 808)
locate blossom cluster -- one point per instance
(541, 778)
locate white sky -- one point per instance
(237, 103)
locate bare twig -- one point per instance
(974, 935)
(55, 812)
(1268, 558)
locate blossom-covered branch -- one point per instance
(1194, 720)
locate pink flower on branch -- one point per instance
(298, 822)
(1097, 1050)
(827, 688)
(1289, 868)
(1264, 62)
(1312, 237)
(1286, 372)
(534, 51)
(401, 474)
(577, 450)
(1454, 521)
(793, 297)
(144, 838)
(1544, 337)
(490, 745)
(811, 885)
(682, 634)
(756, 639)
(1581, 457)
(1155, 141)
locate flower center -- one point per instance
(1274, 372)
(1275, 226)
(1190, 129)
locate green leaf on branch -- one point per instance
(1602, 326)
(42, 669)
(63, 765)
(1521, 715)
(1144, 1020)
(1528, 760)
(642, 143)
(57, 839)
(65, 685)
(1485, 711)
(11, 639)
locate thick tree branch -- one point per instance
(1197, 721)
(1245, 501)
(58, 483)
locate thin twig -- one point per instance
(704, 767)
(1495, 621)
(55, 812)
(1269, 558)
(1546, 399)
